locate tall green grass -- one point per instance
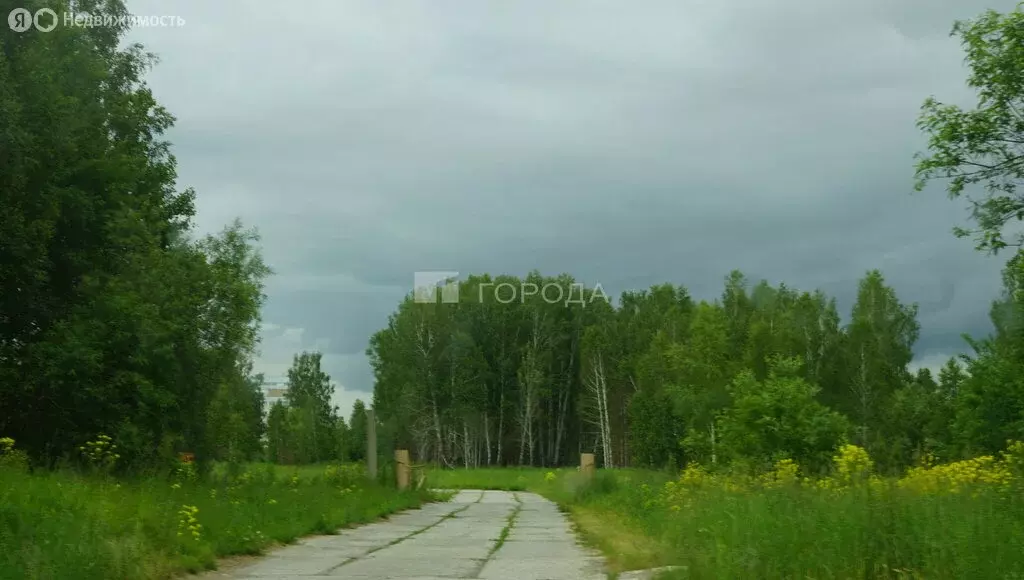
(564, 485)
(805, 533)
(65, 525)
(498, 478)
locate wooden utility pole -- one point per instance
(371, 444)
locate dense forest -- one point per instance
(115, 317)
(660, 378)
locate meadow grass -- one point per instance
(497, 478)
(807, 533)
(67, 525)
(644, 519)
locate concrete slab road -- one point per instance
(491, 535)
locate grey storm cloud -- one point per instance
(625, 143)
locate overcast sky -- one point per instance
(627, 143)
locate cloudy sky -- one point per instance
(627, 143)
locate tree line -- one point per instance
(660, 378)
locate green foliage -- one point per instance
(780, 418)
(650, 380)
(311, 418)
(983, 149)
(305, 428)
(356, 442)
(10, 457)
(498, 478)
(236, 420)
(653, 435)
(100, 455)
(983, 146)
(112, 317)
(988, 396)
(279, 435)
(878, 348)
(602, 483)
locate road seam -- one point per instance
(510, 523)
(447, 516)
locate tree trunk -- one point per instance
(609, 463)
(552, 430)
(476, 452)
(523, 420)
(563, 404)
(487, 440)
(863, 398)
(597, 385)
(437, 430)
(560, 429)
(501, 424)
(532, 445)
(606, 443)
(714, 456)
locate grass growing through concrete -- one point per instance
(65, 525)
(509, 524)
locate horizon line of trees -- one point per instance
(660, 378)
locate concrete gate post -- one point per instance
(587, 465)
(403, 470)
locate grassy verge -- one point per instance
(64, 525)
(790, 532)
(498, 478)
(860, 533)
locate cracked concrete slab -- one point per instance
(454, 539)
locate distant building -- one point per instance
(273, 391)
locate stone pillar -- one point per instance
(403, 470)
(371, 444)
(587, 465)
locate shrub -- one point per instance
(10, 457)
(602, 483)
